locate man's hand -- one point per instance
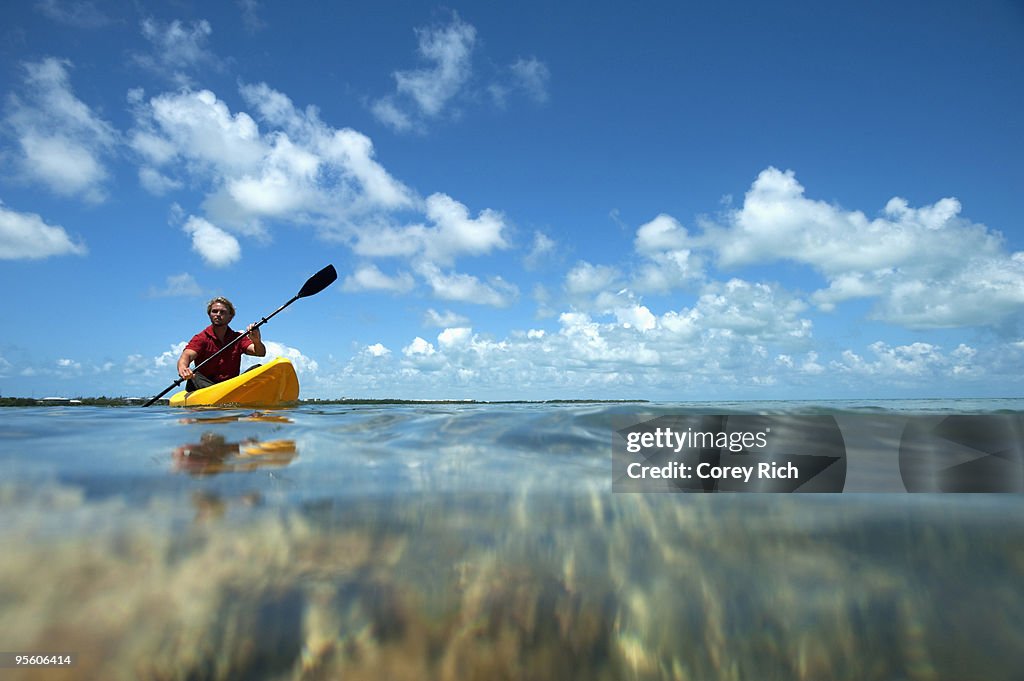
(257, 349)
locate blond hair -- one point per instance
(223, 301)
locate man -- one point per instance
(211, 339)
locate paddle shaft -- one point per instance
(318, 282)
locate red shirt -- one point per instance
(228, 364)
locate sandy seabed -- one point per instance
(461, 586)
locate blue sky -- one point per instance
(670, 201)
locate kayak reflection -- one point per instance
(234, 418)
(213, 454)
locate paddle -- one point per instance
(317, 283)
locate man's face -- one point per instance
(219, 314)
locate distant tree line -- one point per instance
(134, 401)
(103, 401)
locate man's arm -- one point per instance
(187, 356)
(257, 349)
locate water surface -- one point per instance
(479, 542)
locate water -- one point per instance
(479, 542)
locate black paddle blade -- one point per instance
(318, 282)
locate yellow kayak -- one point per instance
(270, 385)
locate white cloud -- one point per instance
(80, 14)
(810, 365)
(300, 170)
(217, 247)
(382, 241)
(370, 278)
(303, 171)
(777, 222)
(848, 286)
(458, 234)
(169, 357)
(587, 279)
(26, 236)
(591, 357)
(454, 337)
(664, 272)
(305, 367)
(532, 77)
(425, 94)
(183, 284)
(542, 297)
(468, 288)
(157, 150)
(388, 113)
(284, 183)
(352, 153)
(717, 342)
(527, 76)
(663, 233)
(914, 360)
(140, 370)
(543, 247)
(447, 49)
(418, 346)
(982, 291)
(453, 234)
(177, 49)
(444, 319)
(62, 142)
(927, 267)
(198, 128)
(64, 368)
(251, 19)
(594, 343)
(636, 317)
(156, 183)
(68, 167)
(668, 261)
(759, 312)
(376, 350)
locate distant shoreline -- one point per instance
(136, 401)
